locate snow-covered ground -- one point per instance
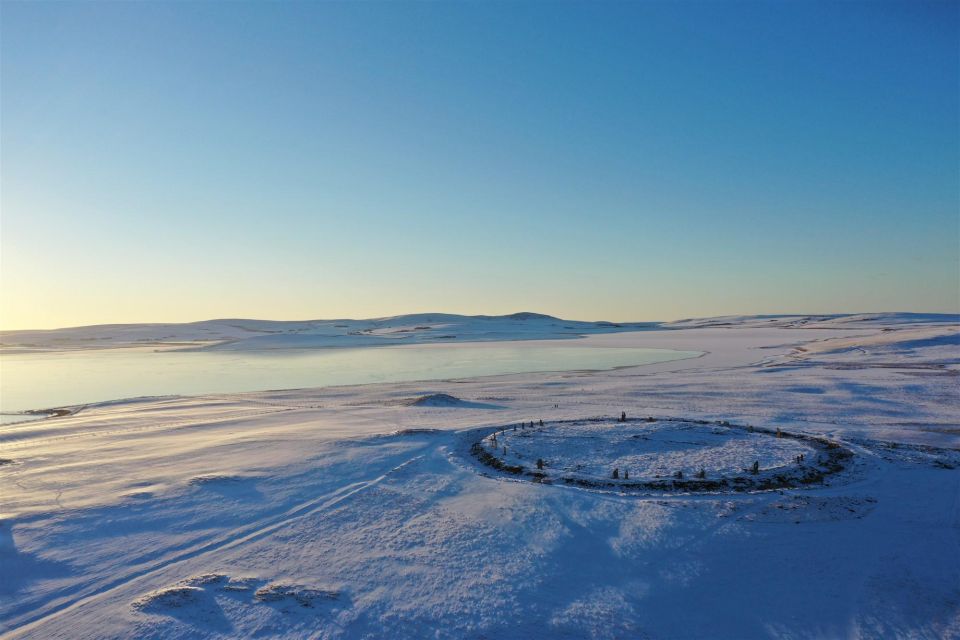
(360, 512)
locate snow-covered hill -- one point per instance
(242, 334)
(830, 321)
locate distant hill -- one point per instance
(829, 321)
(246, 334)
(420, 328)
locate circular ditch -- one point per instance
(662, 455)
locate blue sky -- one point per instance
(622, 161)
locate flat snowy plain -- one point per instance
(359, 512)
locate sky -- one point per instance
(179, 161)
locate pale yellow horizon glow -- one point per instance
(49, 306)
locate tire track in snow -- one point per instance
(237, 537)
